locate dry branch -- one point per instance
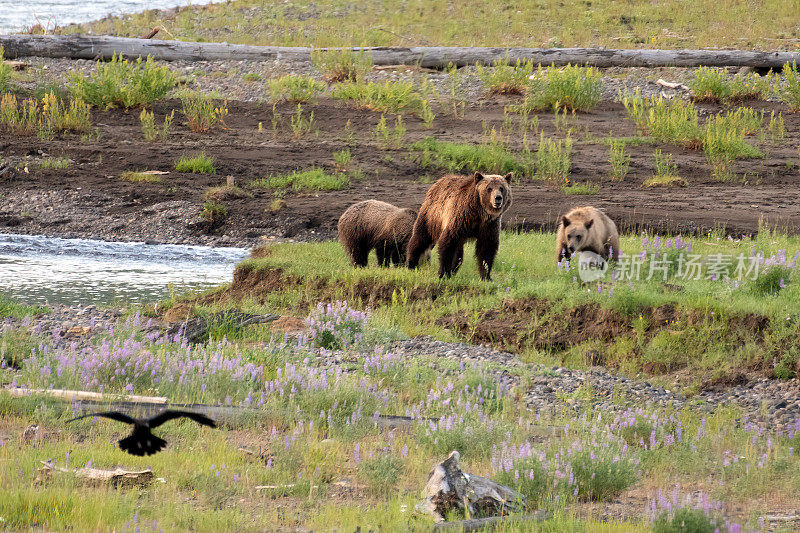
(78, 46)
(118, 477)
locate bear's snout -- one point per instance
(571, 249)
(498, 200)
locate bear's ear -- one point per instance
(509, 177)
(478, 176)
(565, 221)
(589, 224)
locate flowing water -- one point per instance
(37, 269)
(18, 14)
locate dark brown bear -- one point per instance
(456, 209)
(372, 224)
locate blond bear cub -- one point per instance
(587, 229)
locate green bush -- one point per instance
(571, 87)
(789, 93)
(203, 111)
(714, 85)
(5, 73)
(295, 88)
(122, 83)
(381, 473)
(553, 158)
(504, 78)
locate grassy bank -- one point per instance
(701, 330)
(616, 24)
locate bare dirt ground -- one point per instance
(88, 199)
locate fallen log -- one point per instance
(77, 46)
(450, 489)
(476, 524)
(117, 477)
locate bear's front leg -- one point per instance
(458, 259)
(420, 241)
(486, 246)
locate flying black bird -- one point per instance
(141, 442)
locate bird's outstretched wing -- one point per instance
(113, 415)
(168, 415)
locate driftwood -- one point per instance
(146, 406)
(118, 477)
(449, 488)
(196, 329)
(76, 46)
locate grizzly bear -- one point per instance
(456, 209)
(587, 229)
(373, 224)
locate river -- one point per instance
(16, 15)
(37, 269)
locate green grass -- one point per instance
(295, 88)
(54, 163)
(199, 164)
(790, 92)
(665, 175)
(671, 121)
(140, 177)
(580, 188)
(690, 23)
(492, 155)
(526, 268)
(388, 97)
(315, 179)
(12, 309)
(619, 160)
(123, 83)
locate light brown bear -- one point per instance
(456, 209)
(587, 229)
(373, 224)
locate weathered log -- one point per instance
(76, 46)
(449, 488)
(117, 477)
(196, 329)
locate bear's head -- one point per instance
(576, 232)
(494, 192)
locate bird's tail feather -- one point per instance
(142, 444)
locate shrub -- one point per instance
(214, 213)
(295, 88)
(553, 158)
(200, 164)
(151, 134)
(771, 280)
(571, 87)
(673, 121)
(619, 160)
(52, 116)
(491, 156)
(789, 93)
(714, 85)
(723, 142)
(579, 188)
(529, 479)
(390, 138)
(314, 179)
(301, 124)
(123, 83)
(600, 478)
(336, 326)
(503, 78)
(390, 97)
(203, 111)
(342, 65)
